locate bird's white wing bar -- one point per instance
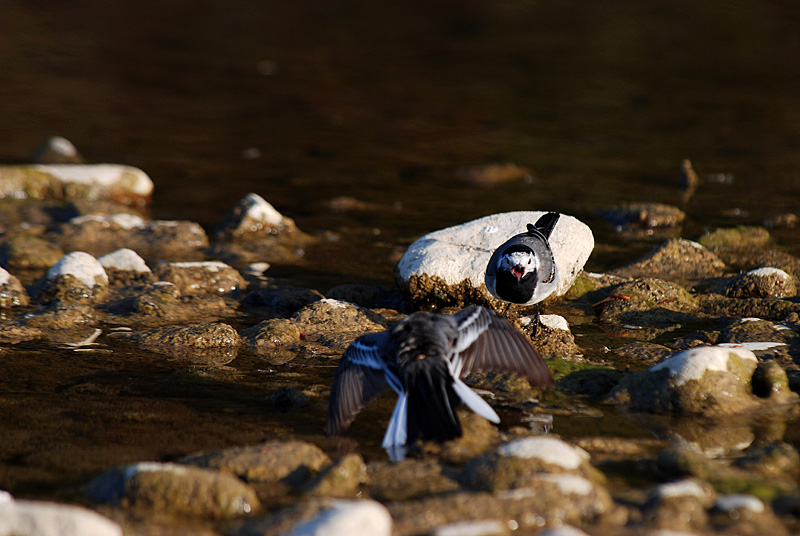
(397, 431)
(474, 401)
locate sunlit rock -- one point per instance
(551, 337)
(12, 293)
(707, 380)
(40, 518)
(123, 184)
(408, 479)
(212, 277)
(517, 463)
(277, 466)
(324, 324)
(679, 505)
(176, 489)
(253, 231)
(677, 260)
(77, 277)
(759, 283)
(125, 267)
(343, 478)
(446, 267)
(747, 515)
(351, 518)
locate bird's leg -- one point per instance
(536, 321)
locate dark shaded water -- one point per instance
(302, 102)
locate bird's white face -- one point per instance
(518, 263)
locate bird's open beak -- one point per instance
(518, 272)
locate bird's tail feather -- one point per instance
(397, 431)
(474, 401)
(431, 409)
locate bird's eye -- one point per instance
(530, 260)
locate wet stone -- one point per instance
(680, 505)
(761, 283)
(202, 344)
(28, 252)
(102, 234)
(678, 260)
(447, 267)
(708, 380)
(125, 268)
(290, 463)
(12, 293)
(746, 515)
(174, 488)
(647, 303)
(40, 518)
(13, 333)
(645, 219)
(124, 184)
(646, 353)
(771, 459)
(472, 528)
(60, 315)
(253, 231)
(552, 337)
(519, 462)
(774, 309)
(548, 499)
(335, 324)
(209, 277)
(273, 340)
(408, 479)
(343, 478)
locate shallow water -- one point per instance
(304, 102)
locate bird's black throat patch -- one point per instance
(511, 290)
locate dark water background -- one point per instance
(302, 102)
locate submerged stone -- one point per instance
(202, 344)
(645, 219)
(408, 479)
(647, 303)
(343, 478)
(56, 150)
(29, 252)
(447, 267)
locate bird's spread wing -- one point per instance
(487, 342)
(361, 376)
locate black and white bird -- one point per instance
(523, 269)
(423, 358)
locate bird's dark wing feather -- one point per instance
(361, 376)
(488, 342)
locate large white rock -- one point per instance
(459, 254)
(36, 518)
(692, 364)
(348, 518)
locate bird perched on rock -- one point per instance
(523, 270)
(423, 358)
